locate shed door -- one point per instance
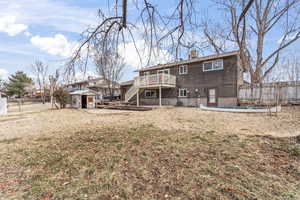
(212, 98)
(83, 101)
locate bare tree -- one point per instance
(251, 32)
(170, 32)
(155, 30)
(53, 80)
(287, 69)
(40, 71)
(293, 68)
(109, 65)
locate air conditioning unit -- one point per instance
(193, 54)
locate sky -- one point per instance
(48, 30)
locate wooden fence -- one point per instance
(270, 93)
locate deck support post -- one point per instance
(137, 97)
(159, 95)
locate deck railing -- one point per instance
(155, 80)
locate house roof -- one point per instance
(182, 62)
(88, 81)
(82, 92)
(103, 85)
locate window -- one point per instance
(213, 65)
(183, 69)
(150, 93)
(90, 99)
(163, 71)
(182, 92)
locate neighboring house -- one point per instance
(85, 94)
(211, 80)
(124, 87)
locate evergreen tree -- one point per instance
(17, 84)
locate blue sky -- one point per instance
(48, 30)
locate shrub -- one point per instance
(61, 96)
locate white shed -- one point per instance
(83, 99)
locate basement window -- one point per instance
(183, 69)
(182, 92)
(213, 65)
(150, 93)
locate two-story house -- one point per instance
(210, 80)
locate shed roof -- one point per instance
(83, 92)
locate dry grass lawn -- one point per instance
(168, 153)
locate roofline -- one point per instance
(87, 81)
(199, 59)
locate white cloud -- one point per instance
(132, 57)
(27, 33)
(3, 73)
(50, 13)
(57, 45)
(80, 76)
(8, 25)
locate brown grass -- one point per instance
(146, 162)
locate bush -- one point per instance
(61, 96)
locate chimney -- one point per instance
(193, 54)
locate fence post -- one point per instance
(251, 87)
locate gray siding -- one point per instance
(224, 80)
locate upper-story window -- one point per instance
(163, 71)
(213, 65)
(183, 69)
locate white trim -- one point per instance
(185, 69)
(242, 110)
(179, 95)
(213, 64)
